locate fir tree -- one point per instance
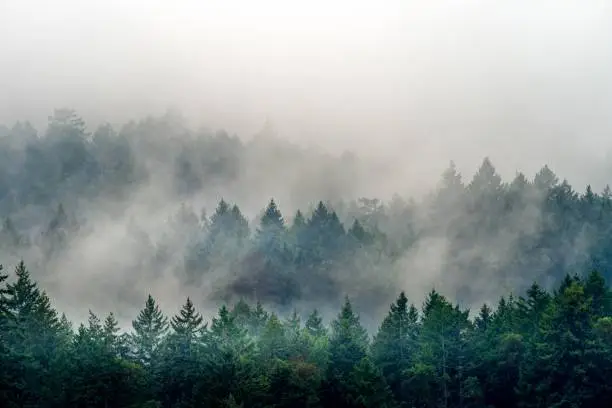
(367, 387)
(258, 319)
(396, 343)
(188, 323)
(348, 340)
(149, 328)
(110, 335)
(272, 218)
(314, 324)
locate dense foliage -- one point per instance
(543, 349)
(548, 348)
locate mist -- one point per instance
(415, 82)
(404, 86)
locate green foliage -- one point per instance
(396, 342)
(545, 348)
(149, 329)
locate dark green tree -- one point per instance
(149, 329)
(396, 343)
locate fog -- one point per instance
(407, 84)
(421, 82)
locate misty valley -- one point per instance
(153, 265)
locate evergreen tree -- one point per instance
(396, 343)
(314, 324)
(348, 341)
(359, 235)
(188, 323)
(442, 346)
(149, 329)
(32, 334)
(111, 336)
(367, 387)
(347, 347)
(273, 343)
(258, 319)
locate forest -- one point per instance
(543, 349)
(213, 213)
(498, 287)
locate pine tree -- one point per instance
(4, 304)
(110, 335)
(149, 329)
(257, 320)
(545, 179)
(188, 323)
(314, 325)
(272, 218)
(359, 235)
(531, 308)
(601, 297)
(298, 221)
(483, 320)
(348, 344)
(241, 312)
(396, 343)
(273, 342)
(324, 237)
(367, 387)
(228, 234)
(442, 345)
(95, 330)
(11, 382)
(228, 335)
(231, 362)
(271, 233)
(449, 196)
(559, 363)
(32, 333)
(293, 323)
(486, 180)
(240, 225)
(23, 295)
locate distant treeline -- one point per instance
(543, 349)
(482, 234)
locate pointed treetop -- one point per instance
(150, 322)
(314, 324)
(298, 220)
(348, 342)
(320, 214)
(24, 293)
(486, 178)
(359, 233)
(348, 319)
(294, 321)
(451, 178)
(484, 317)
(545, 179)
(589, 196)
(519, 183)
(272, 217)
(222, 208)
(188, 321)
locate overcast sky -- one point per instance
(424, 82)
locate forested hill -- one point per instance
(105, 217)
(541, 349)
